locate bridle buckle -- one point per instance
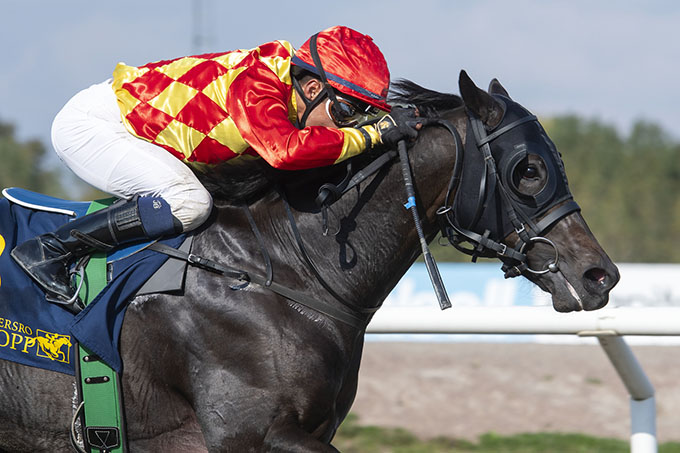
(503, 250)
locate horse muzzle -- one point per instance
(582, 277)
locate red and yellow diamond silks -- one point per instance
(216, 107)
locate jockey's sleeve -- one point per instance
(260, 105)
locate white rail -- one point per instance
(607, 325)
(527, 320)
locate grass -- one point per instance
(354, 438)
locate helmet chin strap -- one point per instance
(310, 104)
(327, 89)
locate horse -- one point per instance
(232, 367)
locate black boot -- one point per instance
(47, 258)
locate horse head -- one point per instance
(509, 197)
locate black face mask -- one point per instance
(512, 152)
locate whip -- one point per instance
(430, 263)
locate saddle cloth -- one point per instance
(42, 334)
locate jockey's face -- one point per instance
(319, 116)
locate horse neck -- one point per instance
(375, 240)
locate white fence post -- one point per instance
(642, 402)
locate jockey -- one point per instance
(137, 135)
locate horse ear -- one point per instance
(479, 102)
(495, 87)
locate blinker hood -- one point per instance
(484, 206)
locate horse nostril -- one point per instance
(596, 275)
(597, 278)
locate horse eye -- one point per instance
(529, 172)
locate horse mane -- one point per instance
(430, 103)
(236, 181)
(247, 180)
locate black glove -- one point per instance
(400, 124)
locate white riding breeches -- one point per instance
(89, 136)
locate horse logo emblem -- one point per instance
(51, 346)
(2, 249)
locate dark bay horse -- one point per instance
(223, 370)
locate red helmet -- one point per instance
(352, 63)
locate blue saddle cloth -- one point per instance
(42, 334)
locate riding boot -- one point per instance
(48, 258)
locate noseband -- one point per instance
(482, 220)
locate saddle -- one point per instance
(135, 269)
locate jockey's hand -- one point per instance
(401, 124)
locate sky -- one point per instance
(615, 61)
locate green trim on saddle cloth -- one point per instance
(98, 385)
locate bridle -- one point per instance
(529, 229)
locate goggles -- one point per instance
(349, 113)
(342, 111)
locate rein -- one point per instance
(310, 264)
